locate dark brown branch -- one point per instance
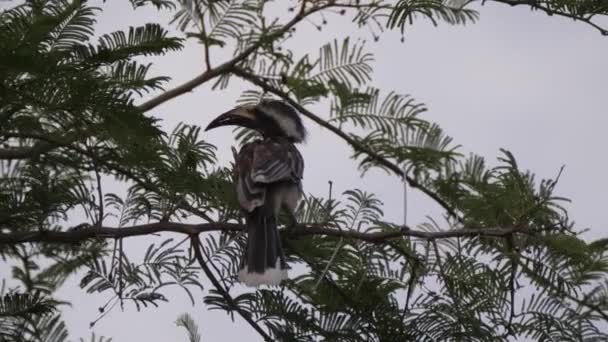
(199, 257)
(186, 87)
(227, 66)
(93, 232)
(355, 144)
(538, 6)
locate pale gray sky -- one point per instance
(516, 79)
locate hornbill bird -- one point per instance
(269, 178)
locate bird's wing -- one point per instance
(275, 161)
(249, 194)
(264, 162)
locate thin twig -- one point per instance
(405, 199)
(104, 313)
(100, 194)
(121, 254)
(513, 257)
(222, 291)
(330, 282)
(210, 262)
(205, 38)
(331, 260)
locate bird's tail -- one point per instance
(264, 260)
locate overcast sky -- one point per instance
(520, 80)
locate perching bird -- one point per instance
(269, 178)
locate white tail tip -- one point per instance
(271, 276)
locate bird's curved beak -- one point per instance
(240, 116)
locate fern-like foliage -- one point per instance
(216, 22)
(30, 317)
(69, 124)
(187, 322)
(147, 40)
(159, 4)
(141, 283)
(450, 11)
(394, 129)
(95, 338)
(23, 305)
(355, 291)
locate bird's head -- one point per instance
(271, 118)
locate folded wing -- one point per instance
(262, 163)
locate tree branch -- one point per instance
(227, 66)
(199, 257)
(100, 232)
(186, 87)
(538, 6)
(246, 75)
